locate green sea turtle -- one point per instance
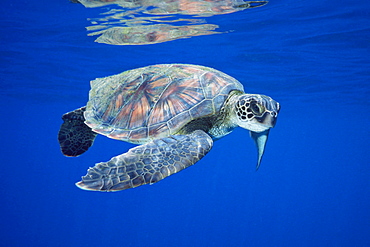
(175, 111)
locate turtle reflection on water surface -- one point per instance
(144, 22)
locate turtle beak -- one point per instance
(267, 119)
(260, 139)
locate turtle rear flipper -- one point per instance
(74, 136)
(148, 163)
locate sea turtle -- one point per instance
(175, 111)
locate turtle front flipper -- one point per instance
(148, 163)
(74, 136)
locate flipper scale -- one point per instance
(148, 163)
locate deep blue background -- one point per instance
(313, 185)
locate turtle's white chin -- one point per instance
(259, 124)
(254, 126)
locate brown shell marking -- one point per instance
(155, 101)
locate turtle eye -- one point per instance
(257, 108)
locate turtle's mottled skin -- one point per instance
(75, 137)
(175, 111)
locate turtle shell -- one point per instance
(155, 101)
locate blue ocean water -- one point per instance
(312, 188)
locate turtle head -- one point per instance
(257, 113)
